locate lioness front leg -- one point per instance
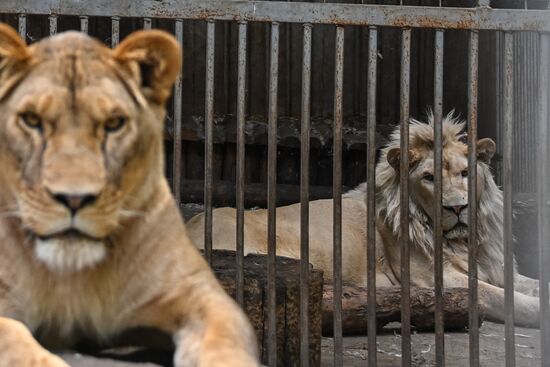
(19, 348)
(208, 327)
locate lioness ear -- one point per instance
(394, 158)
(155, 58)
(486, 148)
(13, 50)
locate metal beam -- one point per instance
(296, 12)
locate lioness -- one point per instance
(91, 240)
(421, 203)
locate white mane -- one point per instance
(489, 215)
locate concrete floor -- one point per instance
(355, 351)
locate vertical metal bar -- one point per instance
(241, 111)
(147, 23)
(337, 195)
(176, 168)
(438, 182)
(53, 24)
(371, 194)
(115, 31)
(404, 199)
(507, 182)
(84, 24)
(473, 321)
(208, 137)
(22, 26)
(543, 197)
(272, 194)
(304, 198)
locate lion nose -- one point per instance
(74, 202)
(456, 208)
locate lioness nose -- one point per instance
(74, 202)
(456, 208)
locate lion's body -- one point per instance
(91, 240)
(354, 224)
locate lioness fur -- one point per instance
(421, 208)
(91, 240)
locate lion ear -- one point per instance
(13, 50)
(394, 158)
(154, 57)
(486, 148)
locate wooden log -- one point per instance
(388, 308)
(287, 300)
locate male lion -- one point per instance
(91, 240)
(454, 221)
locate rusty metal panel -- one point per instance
(296, 12)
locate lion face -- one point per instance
(454, 218)
(455, 193)
(81, 134)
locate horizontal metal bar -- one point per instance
(296, 12)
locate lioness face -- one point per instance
(76, 126)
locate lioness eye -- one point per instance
(114, 123)
(32, 120)
(464, 173)
(428, 177)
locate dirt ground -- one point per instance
(355, 351)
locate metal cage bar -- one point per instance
(371, 198)
(115, 31)
(405, 273)
(543, 196)
(304, 196)
(507, 199)
(177, 148)
(240, 179)
(272, 195)
(147, 23)
(22, 25)
(473, 317)
(208, 132)
(337, 194)
(84, 23)
(53, 24)
(438, 182)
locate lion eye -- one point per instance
(32, 120)
(114, 123)
(464, 173)
(428, 177)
